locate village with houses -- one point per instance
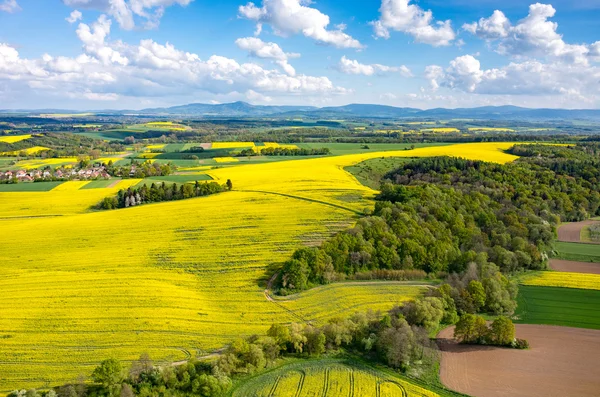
(47, 174)
(94, 172)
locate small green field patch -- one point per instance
(567, 307)
(100, 184)
(29, 186)
(580, 252)
(371, 172)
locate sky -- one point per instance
(134, 54)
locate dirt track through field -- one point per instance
(571, 232)
(574, 267)
(562, 361)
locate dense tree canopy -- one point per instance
(441, 214)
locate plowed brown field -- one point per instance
(561, 362)
(574, 267)
(571, 232)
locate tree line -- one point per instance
(158, 192)
(283, 151)
(139, 170)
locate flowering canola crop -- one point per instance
(329, 378)
(14, 138)
(174, 279)
(563, 279)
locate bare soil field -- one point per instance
(571, 232)
(574, 267)
(562, 361)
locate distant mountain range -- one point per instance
(243, 109)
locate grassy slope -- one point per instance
(559, 306)
(370, 172)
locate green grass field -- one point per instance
(332, 377)
(29, 186)
(370, 172)
(578, 252)
(559, 306)
(99, 184)
(5, 161)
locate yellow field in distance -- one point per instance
(490, 129)
(232, 145)
(226, 159)
(70, 186)
(276, 145)
(441, 129)
(31, 150)
(563, 279)
(14, 138)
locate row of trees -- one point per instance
(140, 170)
(158, 192)
(284, 151)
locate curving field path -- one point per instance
(562, 361)
(571, 232)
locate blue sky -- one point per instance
(96, 54)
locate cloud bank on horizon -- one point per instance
(298, 52)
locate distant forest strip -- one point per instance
(273, 151)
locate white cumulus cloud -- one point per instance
(577, 82)
(112, 70)
(74, 16)
(126, 11)
(10, 6)
(533, 36)
(288, 17)
(260, 49)
(350, 66)
(402, 16)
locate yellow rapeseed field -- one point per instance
(441, 130)
(490, 129)
(156, 147)
(14, 138)
(563, 279)
(320, 303)
(232, 145)
(70, 186)
(41, 163)
(148, 155)
(276, 145)
(329, 378)
(178, 278)
(226, 159)
(31, 150)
